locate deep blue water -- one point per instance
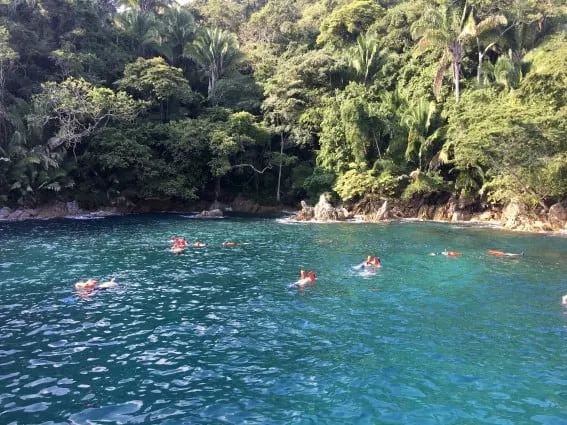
(216, 336)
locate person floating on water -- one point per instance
(564, 301)
(497, 253)
(198, 244)
(305, 279)
(108, 284)
(178, 245)
(447, 253)
(370, 263)
(229, 244)
(86, 285)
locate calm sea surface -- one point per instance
(217, 336)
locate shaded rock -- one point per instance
(343, 213)
(465, 202)
(426, 212)
(441, 213)
(216, 205)
(488, 215)
(15, 215)
(5, 212)
(557, 216)
(73, 208)
(461, 216)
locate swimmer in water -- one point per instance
(451, 253)
(229, 244)
(108, 284)
(564, 301)
(178, 245)
(497, 253)
(86, 285)
(198, 244)
(305, 279)
(371, 262)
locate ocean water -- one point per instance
(217, 336)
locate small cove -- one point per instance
(215, 335)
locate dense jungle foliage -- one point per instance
(107, 101)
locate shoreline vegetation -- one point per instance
(446, 110)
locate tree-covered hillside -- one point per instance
(105, 101)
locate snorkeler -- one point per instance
(86, 285)
(178, 242)
(504, 254)
(371, 262)
(108, 284)
(451, 253)
(305, 279)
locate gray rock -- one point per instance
(307, 213)
(73, 208)
(212, 213)
(15, 215)
(382, 213)
(5, 212)
(513, 214)
(557, 216)
(461, 216)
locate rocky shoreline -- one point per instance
(73, 210)
(514, 216)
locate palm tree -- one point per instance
(480, 31)
(419, 118)
(507, 72)
(445, 28)
(365, 57)
(216, 51)
(177, 28)
(140, 27)
(147, 5)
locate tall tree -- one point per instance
(216, 51)
(365, 57)
(444, 28)
(141, 28)
(156, 81)
(177, 29)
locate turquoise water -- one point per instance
(216, 336)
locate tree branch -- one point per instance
(262, 171)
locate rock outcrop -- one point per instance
(557, 217)
(324, 211)
(214, 213)
(306, 213)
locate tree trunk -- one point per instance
(280, 167)
(217, 188)
(456, 78)
(479, 68)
